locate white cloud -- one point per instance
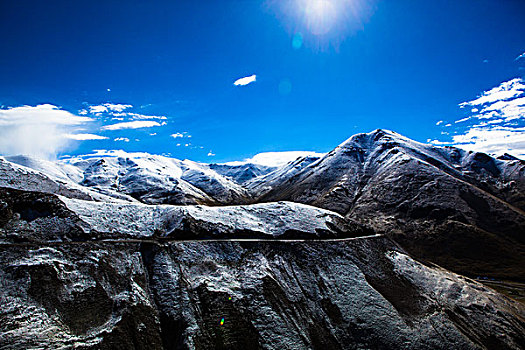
(506, 90)
(177, 135)
(136, 116)
(437, 142)
(462, 120)
(276, 158)
(85, 137)
(125, 139)
(520, 57)
(245, 81)
(108, 107)
(210, 154)
(41, 131)
(138, 124)
(497, 123)
(495, 140)
(119, 107)
(97, 109)
(114, 153)
(40, 114)
(439, 122)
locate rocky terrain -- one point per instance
(346, 251)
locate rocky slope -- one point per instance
(462, 210)
(91, 275)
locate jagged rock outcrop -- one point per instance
(113, 284)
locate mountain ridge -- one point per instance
(435, 201)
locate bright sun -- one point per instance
(321, 15)
(321, 24)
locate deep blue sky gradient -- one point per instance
(408, 67)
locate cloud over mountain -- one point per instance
(42, 130)
(495, 122)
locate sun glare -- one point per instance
(321, 24)
(321, 15)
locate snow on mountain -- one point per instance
(338, 177)
(435, 201)
(49, 177)
(262, 184)
(278, 220)
(157, 179)
(156, 275)
(243, 172)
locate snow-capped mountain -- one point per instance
(422, 195)
(324, 251)
(435, 201)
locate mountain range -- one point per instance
(373, 245)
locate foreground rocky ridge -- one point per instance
(145, 289)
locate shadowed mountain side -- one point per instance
(433, 200)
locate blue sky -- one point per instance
(325, 70)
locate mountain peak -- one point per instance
(369, 139)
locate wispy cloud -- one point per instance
(176, 135)
(42, 131)
(245, 80)
(108, 107)
(211, 154)
(138, 124)
(496, 123)
(520, 57)
(496, 140)
(136, 116)
(124, 139)
(85, 137)
(118, 111)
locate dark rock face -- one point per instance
(364, 293)
(75, 296)
(462, 210)
(36, 217)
